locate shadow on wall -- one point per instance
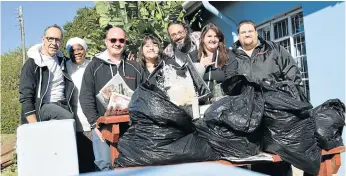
(244, 10)
(317, 6)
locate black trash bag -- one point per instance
(330, 121)
(242, 111)
(160, 133)
(288, 127)
(231, 124)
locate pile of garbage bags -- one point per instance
(253, 117)
(161, 133)
(230, 125)
(289, 130)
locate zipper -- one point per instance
(244, 55)
(68, 102)
(39, 108)
(65, 75)
(154, 70)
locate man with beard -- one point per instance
(181, 39)
(185, 42)
(45, 87)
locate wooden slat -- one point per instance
(109, 136)
(337, 163)
(113, 119)
(334, 150)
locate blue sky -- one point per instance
(37, 16)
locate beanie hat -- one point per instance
(76, 40)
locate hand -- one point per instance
(31, 118)
(131, 56)
(206, 61)
(99, 134)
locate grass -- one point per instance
(10, 170)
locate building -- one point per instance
(313, 32)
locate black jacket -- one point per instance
(34, 80)
(218, 75)
(269, 62)
(96, 75)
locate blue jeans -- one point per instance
(102, 153)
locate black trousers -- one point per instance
(85, 152)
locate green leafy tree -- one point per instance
(140, 18)
(11, 64)
(85, 25)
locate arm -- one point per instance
(217, 74)
(27, 91)
(87, 97)
(288, 67)
(195, 36)
(200, 68)
(230, 68)
(168, 50)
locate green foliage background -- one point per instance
(11, 64)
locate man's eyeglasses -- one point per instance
(174, 35)
(114, 40)
(51, 39)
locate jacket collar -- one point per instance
(35, 53)
(104, 56)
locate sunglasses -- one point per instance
(114, 40)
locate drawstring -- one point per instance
(39, 86)
(110, 66)
(124, 68)
(217, 58)
(210, 68)
(217, 55)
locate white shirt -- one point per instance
(56, 86)
(76, 72)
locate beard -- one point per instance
(183, 47)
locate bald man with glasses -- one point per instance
(45, 87)
(103, 67)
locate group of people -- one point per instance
(54, 87)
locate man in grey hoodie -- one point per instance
(45, 87)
